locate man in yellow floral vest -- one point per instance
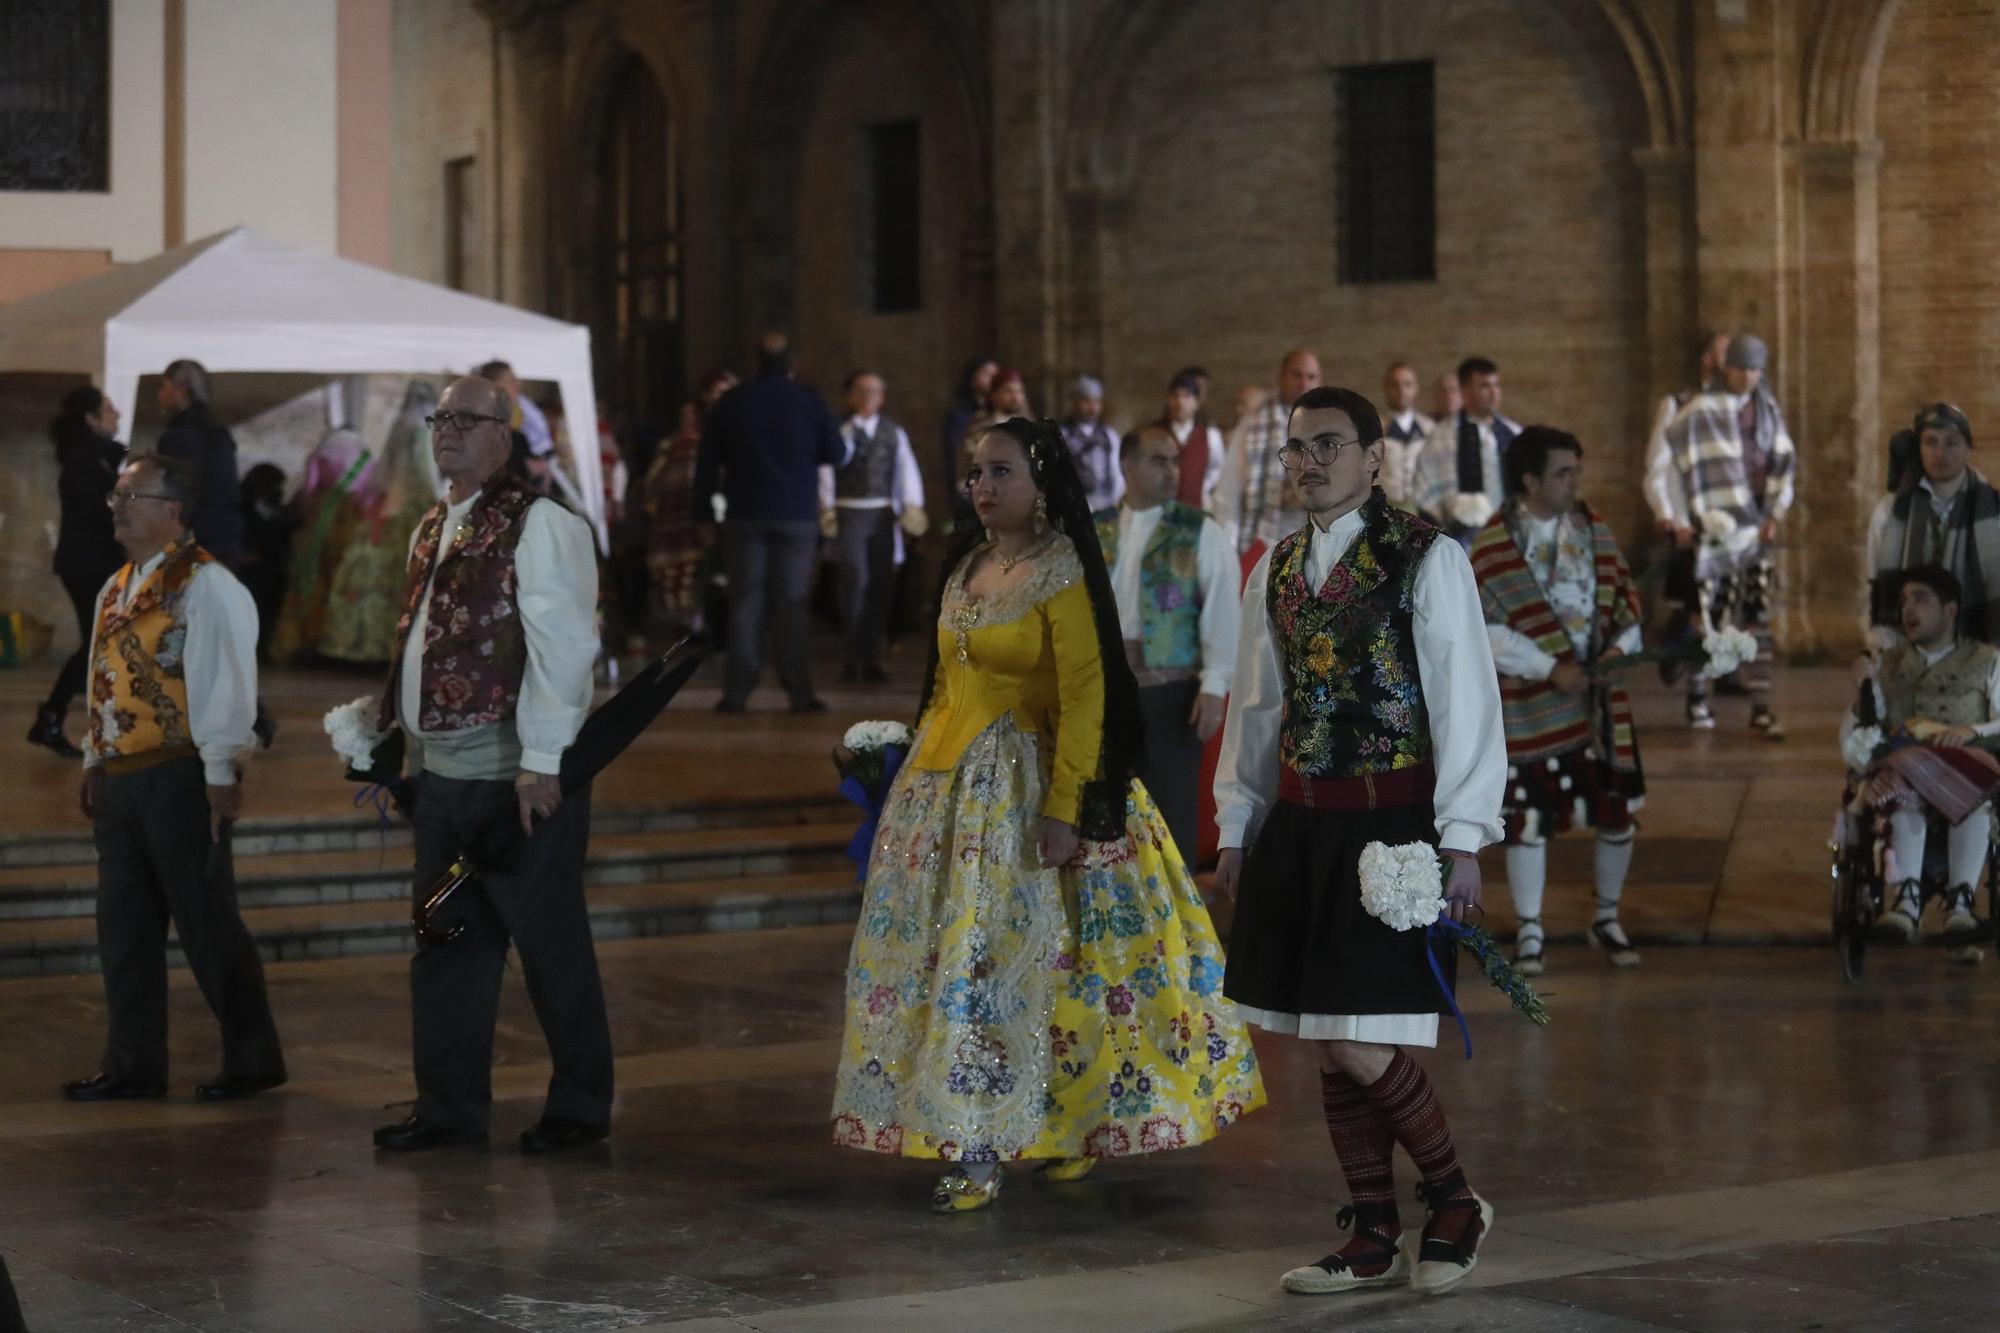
(490, 681)
(173, 693)
(1175, 580)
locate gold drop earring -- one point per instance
(1041, 512)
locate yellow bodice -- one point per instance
(1031, 651)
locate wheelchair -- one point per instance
(1861, 888)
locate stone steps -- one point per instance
(280, 837)
(332, 887)
(52, 945)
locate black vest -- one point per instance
(871, 473)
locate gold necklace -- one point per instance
(1007, 562)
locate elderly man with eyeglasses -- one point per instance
(490, 680)
(1366, 709)
(173, 691)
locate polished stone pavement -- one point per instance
(1729, 1138)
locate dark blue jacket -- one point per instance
(196, 438)
(763, 444)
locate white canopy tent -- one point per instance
(237, 301)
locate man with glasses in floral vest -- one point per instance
(173, 693)
(490, 680)
(1366, 710)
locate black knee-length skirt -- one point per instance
(1306, 957)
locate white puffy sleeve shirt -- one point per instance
(1461, 694)
(555, 571)
(1215, 567)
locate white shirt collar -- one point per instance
(1343, 527)
(867, 425)
(1933, 658)
(1406, 418)
(1181, 429)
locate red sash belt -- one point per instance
(1368, 791)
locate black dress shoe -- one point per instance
(554, 1135)
(416, 1134)
(48, 732)
(224, 1088)
(104, 1088)
(809, 704)
(265, 729)
(730, 706)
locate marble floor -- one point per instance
(1728, 1138)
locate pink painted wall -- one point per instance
(364, 123)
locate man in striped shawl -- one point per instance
(1559, 601)
(1945, 514)
(1735, 464)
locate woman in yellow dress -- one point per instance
(1034, 975)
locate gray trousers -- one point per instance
(865, 546)
(455, 988)
(156, 862)
(770, 579)
(1172, 770)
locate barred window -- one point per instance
(1387, 158)
(892, 252)
(55, 94)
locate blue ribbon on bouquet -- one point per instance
(378, 795)
(871, 800)
(1445, 930)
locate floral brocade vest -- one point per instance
(475, 651)
(138, 682)
(1354, 701)
(1169, 584)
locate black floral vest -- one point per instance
(1354, 701)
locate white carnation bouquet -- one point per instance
(1726, 650)
(1718, 525)
(1471, 509)
(875, 736)
(866, 750)
(351, 727)
(1858, 748)
(1403, 888)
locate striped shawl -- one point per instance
(1706, 447)
(1541, 720)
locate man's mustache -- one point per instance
(1312, 475)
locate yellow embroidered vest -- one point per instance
(138, 690)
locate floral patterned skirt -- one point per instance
(999, 1010)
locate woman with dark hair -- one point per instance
(968, 404)
(87, 555)
(1034, 974)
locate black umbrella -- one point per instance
(603, 737)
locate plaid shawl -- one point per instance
(1953, 780)
(1541, 720)
(1967, 543)
(1707, 451)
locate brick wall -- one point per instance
(1938, 120)
(1227, 254)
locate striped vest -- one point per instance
(1169, 585)
(138, 684)
(1354, 698)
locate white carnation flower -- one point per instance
(1718, 525)
(1471, 509)
(875, 735)
(352, 728)
(1727, 649)
(1858, 749)
(1401, 886)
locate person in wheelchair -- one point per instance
(1937, 695)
